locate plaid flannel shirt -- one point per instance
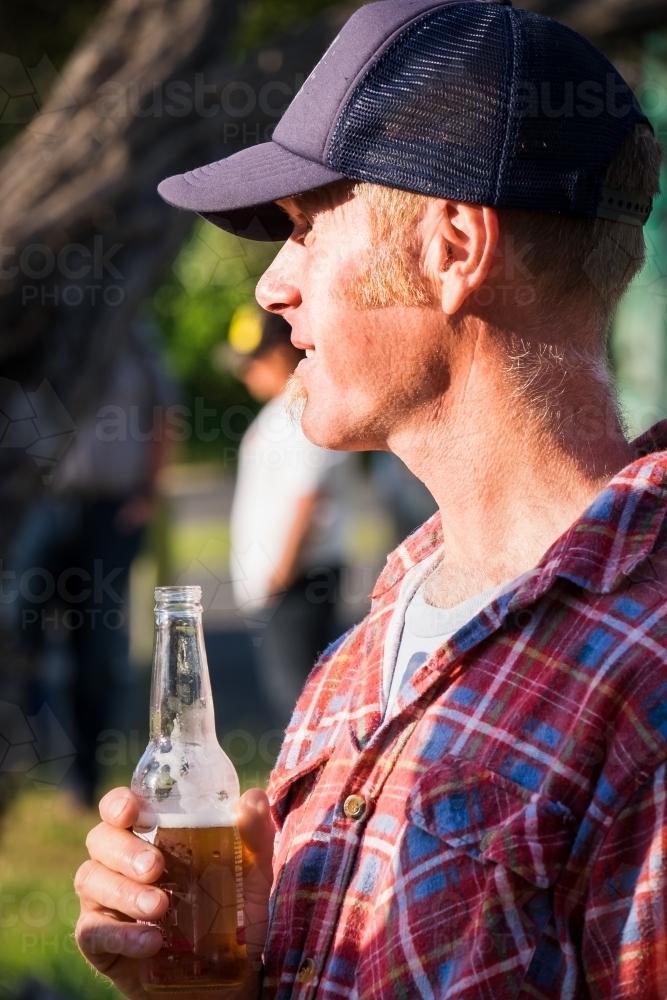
(503, 834)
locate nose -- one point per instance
(277, 290)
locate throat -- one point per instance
(449, 585)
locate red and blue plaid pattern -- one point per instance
(514, 840)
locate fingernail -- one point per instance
(118, 807)
(144, 862)
(149, 900)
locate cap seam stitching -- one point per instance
(301, 156)
(511, 126)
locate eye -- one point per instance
(303, 226)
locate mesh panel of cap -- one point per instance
(489, 105)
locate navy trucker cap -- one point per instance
(466, 99)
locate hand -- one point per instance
(114, 891)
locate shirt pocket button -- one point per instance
(354, 806)
(306, 971)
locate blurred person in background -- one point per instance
(77, 544)
(286, 520)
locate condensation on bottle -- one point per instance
(189, 790)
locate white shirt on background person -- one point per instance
(277, 467)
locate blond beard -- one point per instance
(296, 397)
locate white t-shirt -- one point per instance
(278, 466)
(426, 629)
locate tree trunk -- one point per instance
(152, 90)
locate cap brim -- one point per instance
(239, 192)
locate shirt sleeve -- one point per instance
(624, 948)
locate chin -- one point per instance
(326, 425)
(328, 431)
(319, 431)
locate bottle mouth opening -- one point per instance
(171, 597)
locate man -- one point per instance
(89, 527)
(286, 519)
(493, 826)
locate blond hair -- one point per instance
(588, 262)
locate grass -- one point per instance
(42, 843)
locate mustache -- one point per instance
(296, 397)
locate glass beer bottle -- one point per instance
(189, 789)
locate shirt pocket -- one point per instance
(475, 868)
(493, 820)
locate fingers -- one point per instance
(121, 851)
(102, 889)
(102, 938)
(120, 807)
(256, 828)
(255, 823)
(116, 879)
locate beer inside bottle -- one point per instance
(189, 790)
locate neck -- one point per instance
(513, 454)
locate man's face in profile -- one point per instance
(365, 367)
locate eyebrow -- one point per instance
(310, 202)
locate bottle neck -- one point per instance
(181, 702)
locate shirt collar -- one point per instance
(617, 532)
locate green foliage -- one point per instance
(42, 845)
(213, 275)
(263, 20)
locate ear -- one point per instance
(460, 241)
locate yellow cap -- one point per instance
(245, 329)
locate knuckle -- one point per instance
(124, 891)
(96, 937)
(113, 939)
(92, 836)
(119, 938)
(83, 876)
(126, 894)
(84, 934)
